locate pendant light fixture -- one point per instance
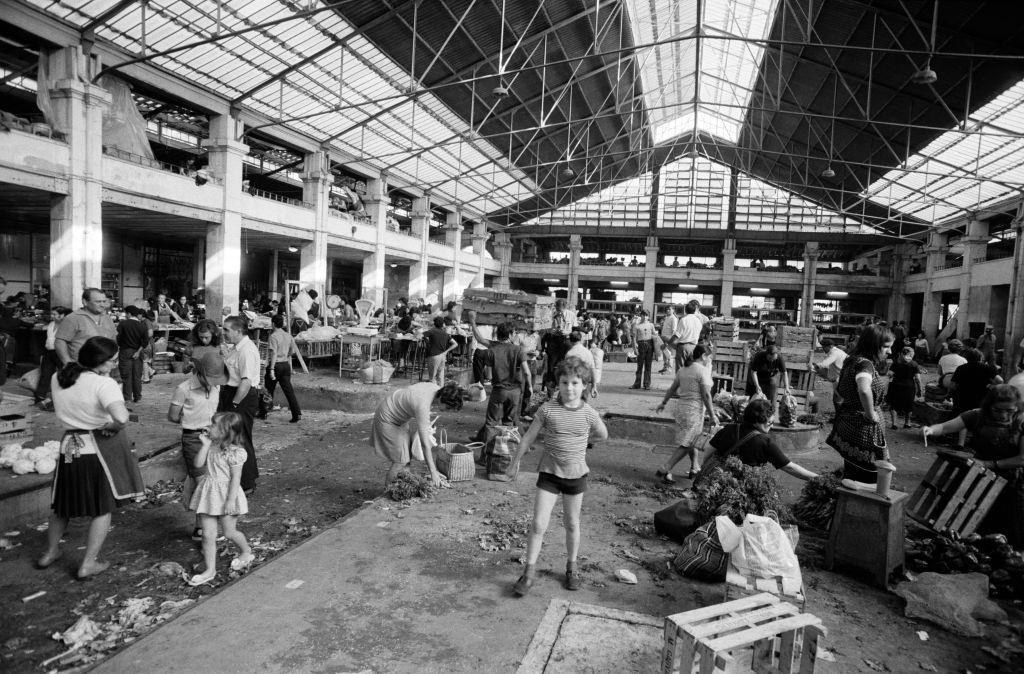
(926, 75)
(501, 91)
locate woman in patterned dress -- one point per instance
(857, 430)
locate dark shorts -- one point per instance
(561, 485)
(191, 443)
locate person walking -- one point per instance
(91, 320)
(987, 345)
(280, 349)
(857, 431)
(241, 393)
(439, 345)
(97, 467)
(132, 338)
(508, 371)
(668, 331)
(904, 386)
(49, 363)
(693, 384)
(643, 337)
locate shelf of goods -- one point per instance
(15, 418)
(524, 311)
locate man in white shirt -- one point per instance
(833, 363)
(668, 331)
(643, 336)
(950, 362)
(687, 333)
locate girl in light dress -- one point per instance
(219, 495)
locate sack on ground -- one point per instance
(702, 556)
(678, 520)
(502, 452)
(29, 380)
(787, 410)
(477, 393)
(377, 372)
(759, 548)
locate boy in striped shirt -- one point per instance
(568, 422)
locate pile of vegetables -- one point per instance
(734, 489)
(991, 554)
(407, 486)
(24, 460)
(818, 500)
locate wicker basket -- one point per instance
(456, 460)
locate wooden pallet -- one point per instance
(955, 494)
(738, 585)
(709, 639)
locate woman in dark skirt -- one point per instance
(96, 468)
(857, 430)
(904, 386)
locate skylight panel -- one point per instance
(714, 100)
(962, 170)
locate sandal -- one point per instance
(666, 476)
(522, 586)
(693, 473)
(241, 563)
(202, 579)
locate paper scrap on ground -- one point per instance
(922, 635)
(292, 584)
(625, 576)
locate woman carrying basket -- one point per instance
(693, 383)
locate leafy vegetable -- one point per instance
(818, 500)
(734, 489)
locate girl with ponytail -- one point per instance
(96, 467)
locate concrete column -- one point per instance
(651, 274)
(503, 248)
(728, 277)
(273, 283)
(936, 248)
(453, 237)
(418, 270)
(811, 254)
(575, 248)
(897, 308)
(480, 236)
(224, 239)
(316, 190)
(975, 246)
(376, 203)
(1015, 305)
(76, 219)
(198, 264)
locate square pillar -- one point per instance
(811, 254)
(728, 277)
(76, 219)
(316, 191)
(419, 270)
(575, 248)
(651, 274)
(453, 237)
(480, 236)
(224, 239)
(503, 247)
(725, 299)
(376, 203)
(975, 248)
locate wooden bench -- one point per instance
(713, 638)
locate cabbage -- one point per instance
(45, 465)
(23, 466)
(9, 454)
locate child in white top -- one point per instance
(219, 495)
(598, 354)
(567, 423)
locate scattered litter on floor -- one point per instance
(383, 524)
(5, 544)
(625, 576)
(826, 654)
(293, 584)
(922, 635)
(170, 569)
(34, 595)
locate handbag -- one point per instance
(702, 556)
(678, 520)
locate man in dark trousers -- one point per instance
(132, 338)
(508, 371)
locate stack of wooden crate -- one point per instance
(15, 418)
(794, 337)
(162, 362)
(522, 310)
(725, 330)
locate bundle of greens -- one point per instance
(734, 490)
(818, 500)
(407, 486)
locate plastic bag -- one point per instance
(29, 380)
(759, 548)
(477, 393)
(377, 372)
(787, 410)
(502, 454)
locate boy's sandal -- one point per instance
(666, 476)
(202, 579)
(522, 586)
(241, 563)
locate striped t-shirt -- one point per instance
(566, 432)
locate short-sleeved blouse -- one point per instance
(689, 379)
(846, 387)
(84, 405)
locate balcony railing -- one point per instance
(262, 194)
(158, 165)
(950, 264)
(991, 256)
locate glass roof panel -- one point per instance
(963, 169)
(367, 79)
(678, 98)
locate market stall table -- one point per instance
(349, 363)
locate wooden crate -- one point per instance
(955, 494)
(720, 634)
(792, 336)
(21, 436)
(162, 363)
(14, 422)
(725, 330)
(730, 360)
(523, 310)
(12, 403)
(737, 585)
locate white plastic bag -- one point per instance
(759, 548)
(30, 380)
